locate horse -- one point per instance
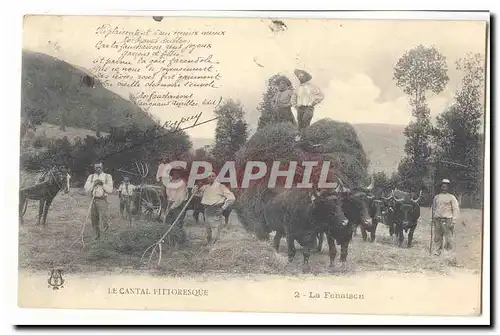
(47, 185)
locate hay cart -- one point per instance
(148, 200)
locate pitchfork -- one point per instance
(158, 244)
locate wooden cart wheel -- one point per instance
(151, 204)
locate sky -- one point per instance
(352, 61)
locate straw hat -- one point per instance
(306, 74)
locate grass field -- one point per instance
(236, 253)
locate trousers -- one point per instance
(443, 232)
(304, 116)
(125, 205)
(178, 233)
(99, 215)
(214, 221)
(284, 114)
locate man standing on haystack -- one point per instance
(305, 98)
(216, 198)
(99, 185)
(445, 210)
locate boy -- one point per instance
(125, 192)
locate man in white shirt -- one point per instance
(177, 194)
(216, 199)
(445, 209)
(99, 185)
(305, 98)
(162, 166)
(125, 192)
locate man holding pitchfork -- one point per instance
(177, 195)
(99, 185)
(445, 211)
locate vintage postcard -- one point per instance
(253, 164)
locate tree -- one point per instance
(265, 106)
(231, 131)
(418, 71)
(458, 135)
(381, 181)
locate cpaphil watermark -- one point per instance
(305, 172)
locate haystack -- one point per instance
(325, 140)
(273, 142)
(338, 143)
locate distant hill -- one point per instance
(383, 143)
(56, 88)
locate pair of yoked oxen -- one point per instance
(307, 217)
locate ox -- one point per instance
(331, 221)
(288, 214)
(379, 213)
(406, 215)
(299, 217)
(356, 205)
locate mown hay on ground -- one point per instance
(240, 252)
(235, 252)
(52, 247)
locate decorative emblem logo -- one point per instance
(56, 279)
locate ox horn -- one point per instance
(396, 198)
(372, 183)
(419, 196)
(389, 197)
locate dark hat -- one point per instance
(306, 74)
